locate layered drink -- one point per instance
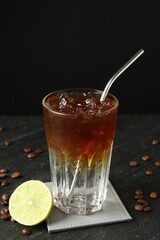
(80, 132)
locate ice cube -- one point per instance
(90, 103)
(79, 104)
(87, 101)
(62, 103)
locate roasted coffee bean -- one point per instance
(4, 210)
(145, 158)
(3, 175)
(146, 204)
(15, 175)
(32, 155)
(142, 201)
(7, 143)
(4, 183)
(39, 150)
(27, 149)
(138, 196)
(153, 195)
(157, 163)
(1, 129)
(149, 172)
(6, 216)
(133, 163)
(138, 191)
(5, 197)
(2, 202)
(3, 170)
(155, 141)
(12, 220)
(26, 231)
(147, 209)
(138, 207)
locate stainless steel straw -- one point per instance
(103, 96)
(119, 72)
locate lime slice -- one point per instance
(30, 203)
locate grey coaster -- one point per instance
(113, 211)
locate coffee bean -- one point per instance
(155, 141)
(3, 170)
(39, 150)
(138, 207)
(138, 191)
(7, 143)
(1, 129)
(149, 172)
(15, 175)
(142, 201)
(139, 196)
(133, 163)
(6, 216)
(157, 163)
(27, 149)
(145, 158)
(3, 175)
(146, 204)
(153, 195)
(26, 231)
(12, 220)
(4, 183)
(147, 209)
(5, 197)
(32, 155)
(4, 210)
(2, 202)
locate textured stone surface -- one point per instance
(134, 135)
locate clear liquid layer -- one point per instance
(79, 186)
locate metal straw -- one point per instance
(119, 72)
(103, 96)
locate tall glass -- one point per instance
(80, 133)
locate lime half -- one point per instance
(30, 203)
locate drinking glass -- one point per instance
(80, 131)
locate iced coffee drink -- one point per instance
(80, 132)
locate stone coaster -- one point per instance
(113, 211)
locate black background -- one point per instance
(46, 46)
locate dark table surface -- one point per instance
(134, 135)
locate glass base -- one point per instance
(79, 205)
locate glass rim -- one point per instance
(78, 89)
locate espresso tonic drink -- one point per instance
(80, 133)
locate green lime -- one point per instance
(30, 203)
